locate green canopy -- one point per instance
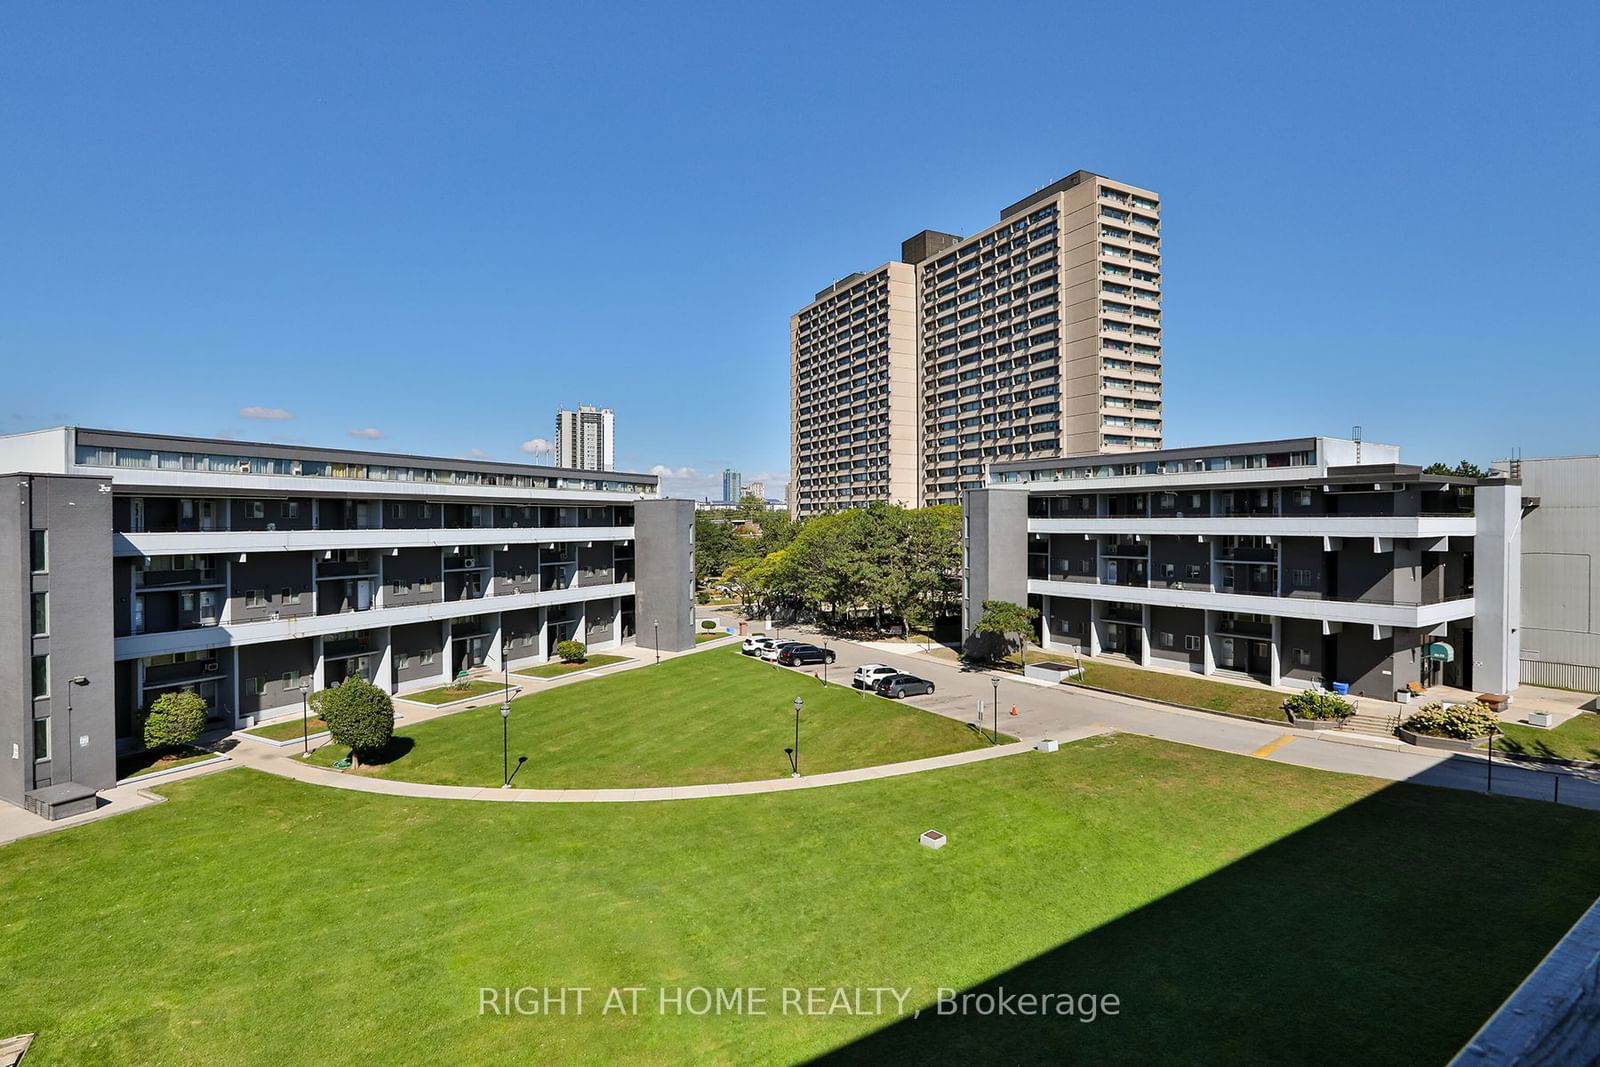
(1441, 651)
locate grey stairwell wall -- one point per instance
(996, 551)
(664, 571)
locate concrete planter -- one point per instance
(1314, 724)
(1050, 671)
(1449, 744)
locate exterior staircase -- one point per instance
(1372, 723)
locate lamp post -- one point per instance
(505, 663)
(995, 739)
(795, 759)
(655, 624)
(1489, 785)
(505, 745)
(825, 651)
(72, 742)
(305, 716)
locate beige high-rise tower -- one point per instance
(1038, 336)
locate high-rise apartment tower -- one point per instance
(586, 439)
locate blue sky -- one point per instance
(440, 222)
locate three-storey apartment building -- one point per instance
(1297, 562)
(1038, 336)
(140, 563)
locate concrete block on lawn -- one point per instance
(932, 839)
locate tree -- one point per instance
(1008, 624)
(174, 719)
(1464, 469)
(360, 716)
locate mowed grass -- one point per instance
(138, 763)
(556, 670)
(449, 694)
(289, 728)
(711, 717)
(1578, 738)
(1191, 692)
(1241, 910)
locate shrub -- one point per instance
(1315, 704)
(360, 716)
(174, 719)
(1466, 722)
(708, 624)
(702, 597)
(572, 651)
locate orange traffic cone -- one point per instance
(1013, 709)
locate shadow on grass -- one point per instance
(398, 748)
(1351, 940)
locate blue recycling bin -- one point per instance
(1342, 688)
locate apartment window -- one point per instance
(1191, 642)
(255, 598)
(1169, 571)
(397, 511)
(291, 509)
(258, 509)
(291, 596)
(1196, 501)
(403, 661)
(1167, 640)
(427, 585)
(38, 551)
(1085, 566)
(291, 680)
(1302, 579)
(41, 739)
(253, 686)
(41, 614)
(1192, 571)
(1302, 657)
(427, 656)
(1303, 497)
(41, 677)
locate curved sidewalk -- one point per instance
(286, 766)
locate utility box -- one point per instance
(1540, 718)
(932, 839)
(1047, 745)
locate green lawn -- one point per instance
(1241, 910)
(1192, 692)
(1577, 738)
(556, 670)
(449, 694)
(165, 760)
(289, 728)
(713, 635)
(713, 717)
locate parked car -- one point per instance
(798, 655)
(897, 686)
(868, 675)
(752, 646)
(770, 653)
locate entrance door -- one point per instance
(208, 515)
(208, 609)
(1111, 572)
(363, 594)
(137, 517)
(1225, 653)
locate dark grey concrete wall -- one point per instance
(268, 664)
(272, 573)
(599, 618)
(1071, 558)
(1302, 634)
(412, 642)
(1302, 554)
(1376, 667)
(404, 573)
(1181, 554)
(1068, 620)
(664, 571)
(520, 560)
(1179, 623)
(995, 551)
(77, 515)
(521, 629)
(275, 512)
(594, 564)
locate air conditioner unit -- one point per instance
(210, 667)
(272, 527)
(469, 561)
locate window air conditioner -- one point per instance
(469, 561)
(210, 667)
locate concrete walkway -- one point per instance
(287, 766)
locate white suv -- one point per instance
(752, 646)
(869, 675)
(770, 652)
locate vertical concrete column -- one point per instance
(383, 672)
(1208, 652)
(542, 652)
(1144, 634)
(315, 608)
(380, 597)
(1044, 625)
(1094, 627)
(225, 616)
(1274, 653)
(447, 652)
(1099, 564)
(233, 671)
(319, 668)
(1497, 587)
(497, 634)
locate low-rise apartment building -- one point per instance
(136, 564)
(1296, 562)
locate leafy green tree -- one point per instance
(1464, 469)
(1008, 625)
(360, 716)
(174, 719)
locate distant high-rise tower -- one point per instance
(586, 439)
(757, 490)
(1037, 336)
(732, 481)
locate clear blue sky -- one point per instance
(440, 222)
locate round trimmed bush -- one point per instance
(708, 624)
(174, 719)
(1465, 722)
(360, 716)
(1315, 704)
(572, 651)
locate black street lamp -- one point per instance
(794, 758)
(825, 651)
(1489, 785)
(72, 742)
(655, 624)
(996, 738)
(305, 717)
(505, 745)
